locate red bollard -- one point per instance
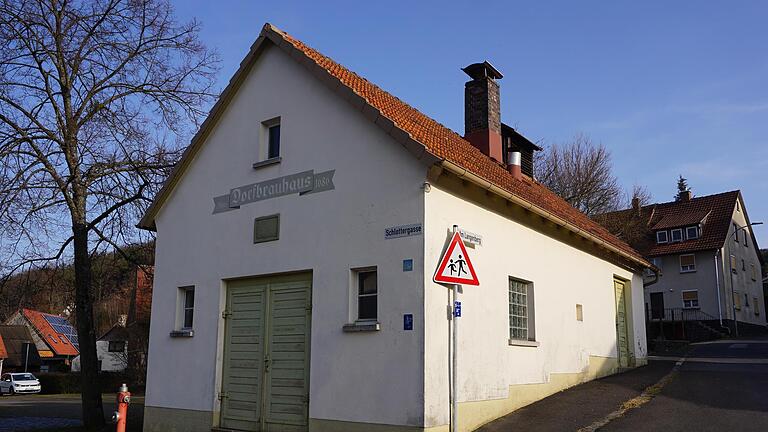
(120, 417)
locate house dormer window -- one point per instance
(692, 233)
(662, 237)
(677, 235)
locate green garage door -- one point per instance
(265, 378)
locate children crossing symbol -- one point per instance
(455, 266)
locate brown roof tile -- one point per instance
(718, 210)
(447, 144)
(387, 111)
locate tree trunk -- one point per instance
(93, 413)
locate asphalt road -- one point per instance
(29, 412)
(720, 386)
(717, 388)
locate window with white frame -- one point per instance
(677, 235)
(367, 291)
(687, 263)
(521, 311)
(186, 307)
(662, 237)
(269, 146)
(690, 299)
(692, 233)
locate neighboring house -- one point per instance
(304, 300)
(708, 256)
(125, 344)
(55, 338)
(20, 350)
(111, 350)
(139, 315)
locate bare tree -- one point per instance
(89, 92)
(581, 172)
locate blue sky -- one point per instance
(669, 87)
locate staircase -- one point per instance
(680, 324)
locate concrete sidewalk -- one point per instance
(581, 405)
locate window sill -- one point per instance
(687, 271)
(182, 333)
(361, 326)
(523, 343)
(267, 162)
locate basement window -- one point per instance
(687, 263)
(691, 299)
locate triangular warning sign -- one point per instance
(455, 266)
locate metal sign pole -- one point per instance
(455, 359)
(455, 367)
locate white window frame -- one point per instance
(672, 235)
(263, 157)
(666, 237)
(355, 293)
(695, 230)
(529, 339)
(687, 268)
(692, 306)
(183, 307)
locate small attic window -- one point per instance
(692, 232)
(677, 235)
(662, 237)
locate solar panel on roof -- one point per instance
(62, 326)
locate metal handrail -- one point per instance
(680, 314)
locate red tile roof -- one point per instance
(447, 144)
(58, 342)
(394, 115)
(3, 351)
(718, 210)
(681, 219)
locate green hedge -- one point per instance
(57, 383)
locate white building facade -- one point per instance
(296, 245)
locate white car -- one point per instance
(22, 382)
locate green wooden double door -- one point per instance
(265, 373)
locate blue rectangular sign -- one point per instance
(408, 322)
(457, 308)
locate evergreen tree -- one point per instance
(682, 187)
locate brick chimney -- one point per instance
(482, 109)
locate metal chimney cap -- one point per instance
(482, 70)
